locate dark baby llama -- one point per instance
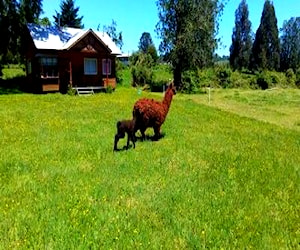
(125, 126)
(150, 113)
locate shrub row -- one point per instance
(155, 77)
(223, 77)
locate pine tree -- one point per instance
(240, 49)
(68, 15)
(111, 30)
(290, 44)
(14, 15)
(31, 10)
(187, 29)
(145, 42)
(266, 46)
(10, 31)
(147, 46)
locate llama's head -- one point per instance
(172, 88)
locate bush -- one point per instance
(298, 78)
(162, 75)
(223, 73)
(290, 77)
(263, 80)
(191, 82)
(109, 89)
(141, 69)
(208, 78)
(71, 91)
(275, 78)
(270, 79)
(119, 68)
(242, 80)
(141, 75)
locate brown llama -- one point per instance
(125, 126)
(150, 113)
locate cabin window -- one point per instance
(106, 66)
(49, 66)
(90, 66)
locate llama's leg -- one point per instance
(128, 140)
(143, 133)
(132, 139)
(156, 132)
(116, 142)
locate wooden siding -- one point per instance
(50, 87)
(88, 47)
(112, 82)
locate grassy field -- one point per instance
(276, 106)
(221, 177)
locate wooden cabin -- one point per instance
(60, 58)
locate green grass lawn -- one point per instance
(219, 178)
(276, 106)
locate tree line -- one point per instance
(188, 38)
(187, 29)
(14, 16)
(267, 51)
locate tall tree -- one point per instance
(68, 15)
(31, 10)
(111, 30)
(187, 29)
(290, 44)
(14, 15)
(240, 49)
(266, 46)
(145, 42)
(147, 46)
(10, 27)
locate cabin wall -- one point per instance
(70, 66)
(79, 78)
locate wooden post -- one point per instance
(70, 72)
(106, 72)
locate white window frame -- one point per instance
(106, 67)
(89, 68)
(49, 66)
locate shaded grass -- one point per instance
(12, 80)
(13, 71)
(216, 179)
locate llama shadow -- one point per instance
(150, 138)
(124, 148)
(140, 139)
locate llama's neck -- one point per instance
(168, 98)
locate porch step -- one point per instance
(87, 90)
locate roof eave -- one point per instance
(83, 36)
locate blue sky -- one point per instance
(134, 17)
